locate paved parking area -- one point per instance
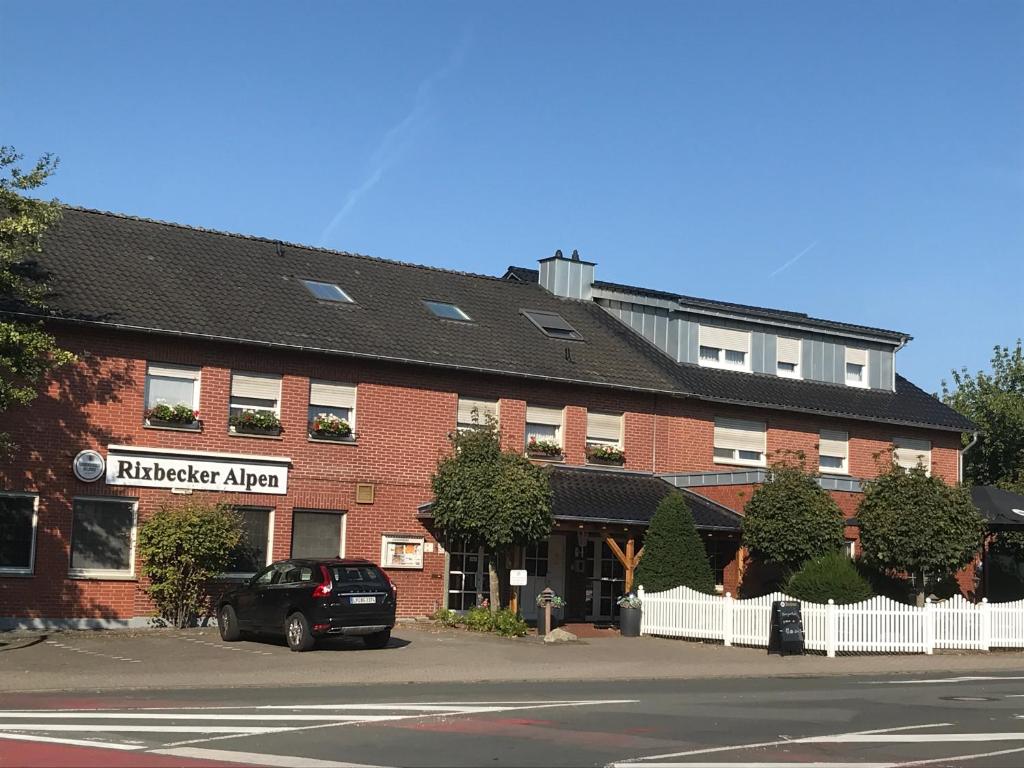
(106, 660)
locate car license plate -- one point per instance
(363, 600)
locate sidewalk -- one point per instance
(418, 653)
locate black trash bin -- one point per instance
(629, 621)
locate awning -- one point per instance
(585, 494)
(999, 507)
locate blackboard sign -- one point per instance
(787, 629)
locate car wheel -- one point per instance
(377, 639)
(227, 623)
(297, 632)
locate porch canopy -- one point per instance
(598, 498)
(1001, 509)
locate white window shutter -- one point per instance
(536, 414)
(604, 426)
(908, 452)
(484, 408)
(260, 386)
(788, 350)
(856, 356)
(741, 435)
(724, 338)
(331, 395)
(835, 443)
(174, 371)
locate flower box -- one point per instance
(190, 426)
(253, 422)
(327, 426)
(547, 450)
(332, 437)
(605, 455)
(179, 416)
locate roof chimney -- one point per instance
(571, 278)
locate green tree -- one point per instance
(491, 498)
(912, 523)
(182, 548)
(674, 554)
(830, 577)
(27, 352)
(995, 402)
(790, 519)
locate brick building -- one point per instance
(677, 391)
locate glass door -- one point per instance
(608, 581)
(467, 577)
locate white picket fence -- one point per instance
(878, 625)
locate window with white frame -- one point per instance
(103, 538)
(856, 367)
(788, 357)
(543, 426)
(467, 576)
(252, 553)
(473, 412)
(604, 429)
(172, 385)
(255, 392)
(910, 452)
(398, 551)
(738, 441)
(833, 451)
(19, 518)
(318, 533)
(331, 403)
(724, 348)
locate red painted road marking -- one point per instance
(24, 754)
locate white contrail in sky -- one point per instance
(398, 137)
(794, 260)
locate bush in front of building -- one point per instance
(505, 622)
(913, 523)
(790, 519)
(674, 554)
(183, 547)
(830, 577)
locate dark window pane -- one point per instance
(358, 575)
(316, 534)
(16, 531)
(101, 535)
(251, 553)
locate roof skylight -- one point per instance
(326, 291)
(447, 311)
(552, 324)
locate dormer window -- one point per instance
(856, 367)
(788, 357)
(724, 348)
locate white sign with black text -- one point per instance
(199, 471)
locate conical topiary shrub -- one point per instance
(674, 554)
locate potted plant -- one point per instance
(557, 603)
(254, 422)
(605, 454)
(327, 426)
(544, 449)
(629, 615)
(179, 416)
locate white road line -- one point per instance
(962, 758)
(773, 765)
(255, 758)
(72, 742)
(633, 761)
(964, 679)
(909, 738)
(182, 716)
(156, 728)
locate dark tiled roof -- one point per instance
(522, 274)
(154, 276)
(999, 507)
(630, 497)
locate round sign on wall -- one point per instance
(89, 466)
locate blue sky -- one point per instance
(857, 161)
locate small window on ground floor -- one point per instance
(253, 552)
(537, 559)
(103, 538)
(18, 519)
(317, 534)
(721, 552)
(467, 576)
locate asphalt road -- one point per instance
(824, 721)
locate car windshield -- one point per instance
(368, 575)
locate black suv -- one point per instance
(308, 599)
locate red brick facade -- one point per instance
(403, 417)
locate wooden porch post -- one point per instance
(629, 559)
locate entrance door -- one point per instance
(545, 567)
(607, 580)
